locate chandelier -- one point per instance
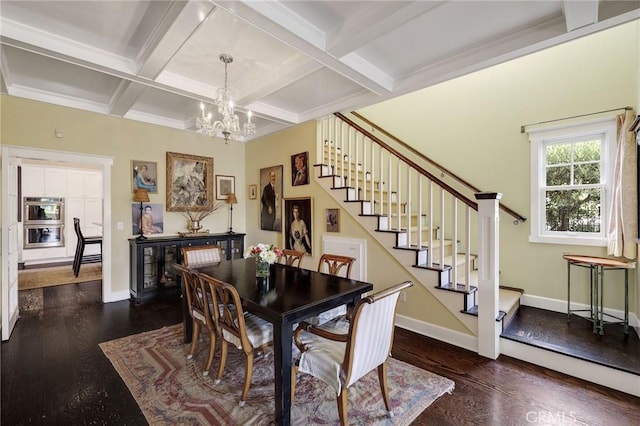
(229, 124)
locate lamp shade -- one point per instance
(140, 196)
(231, 198)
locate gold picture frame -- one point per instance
(189, 182)
(253, 192)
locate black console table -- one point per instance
(150, 272)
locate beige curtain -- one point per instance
(623, 218)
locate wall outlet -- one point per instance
(403, 296)
(120, 226)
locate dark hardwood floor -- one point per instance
(54, 373)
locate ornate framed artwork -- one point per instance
(253, 192)
(189, 182)
(225, 185)
(270, 198)
(300, 169)
(144, 175)
(332, 217)
(298, 224)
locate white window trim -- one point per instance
(537, 138)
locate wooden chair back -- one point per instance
(334, 264)
(291, 257)
(195, 256)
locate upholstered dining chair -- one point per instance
(194, 256)
(200, 313)
(340, 359)
(80, 258)
(247, 332)
(291, 257)
(333, 264)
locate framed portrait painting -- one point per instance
(298, 224)
(270, 198)
(189, 182)
(224, 186)
(300, 169)
(151, 220)
(332, 217)
(144, 175)
(253, 192)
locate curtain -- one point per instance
(623, 217)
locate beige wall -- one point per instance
(478, 115)
(472, 126)
(124, 140)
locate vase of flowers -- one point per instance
(265, 255)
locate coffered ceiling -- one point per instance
(155, 61)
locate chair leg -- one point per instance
(247, 377)
(342, 406)
(294, 374)
(212, 352)
(194, 339)
(77, 260)
(223, 359)
(382, 377)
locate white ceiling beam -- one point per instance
(580, 13)
(125, 97)
(367, 27)
(275, 20)
(4, 70)
(180, 21)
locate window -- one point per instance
(571, 177)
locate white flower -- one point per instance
(265, 252)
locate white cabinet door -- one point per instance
(55, 182)
(33, 179)
(75, 183)
(84, 184)
(93, 185)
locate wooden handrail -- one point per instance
(417, 167)
(397, 140)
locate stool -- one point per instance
(83, 241)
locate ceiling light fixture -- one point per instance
(229, 125)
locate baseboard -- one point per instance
(557, 305)
(455, 338)
(117, 296)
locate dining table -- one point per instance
(287, 296)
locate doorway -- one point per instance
(12, 155)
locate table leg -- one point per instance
(187, 322)
(626, 301)
(283, 341)
(600, 287)
(568, 291)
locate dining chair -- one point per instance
(199, 311)
(341, 359)
(247, 332)
(291, 257)
(195, 256)
(333, 264)
(80, 258)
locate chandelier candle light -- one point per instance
(229, 125)
(265, 255)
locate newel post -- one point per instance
(488, 281)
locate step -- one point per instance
(508, 304)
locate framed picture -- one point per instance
(189, 182)
(270, 198)
(225, 185)
(144, 175)
(253, 192)
(333, 220)
(298, 224)
(300, 169)
(152, 220)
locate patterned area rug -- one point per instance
(171, 389)
(57, 275)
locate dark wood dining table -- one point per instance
(289, 295)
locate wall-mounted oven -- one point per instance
(43, 222)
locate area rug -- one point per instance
(171, 389)
(57, 275)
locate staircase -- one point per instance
(412, 213)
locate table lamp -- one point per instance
(231, 200)
(141, 196)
